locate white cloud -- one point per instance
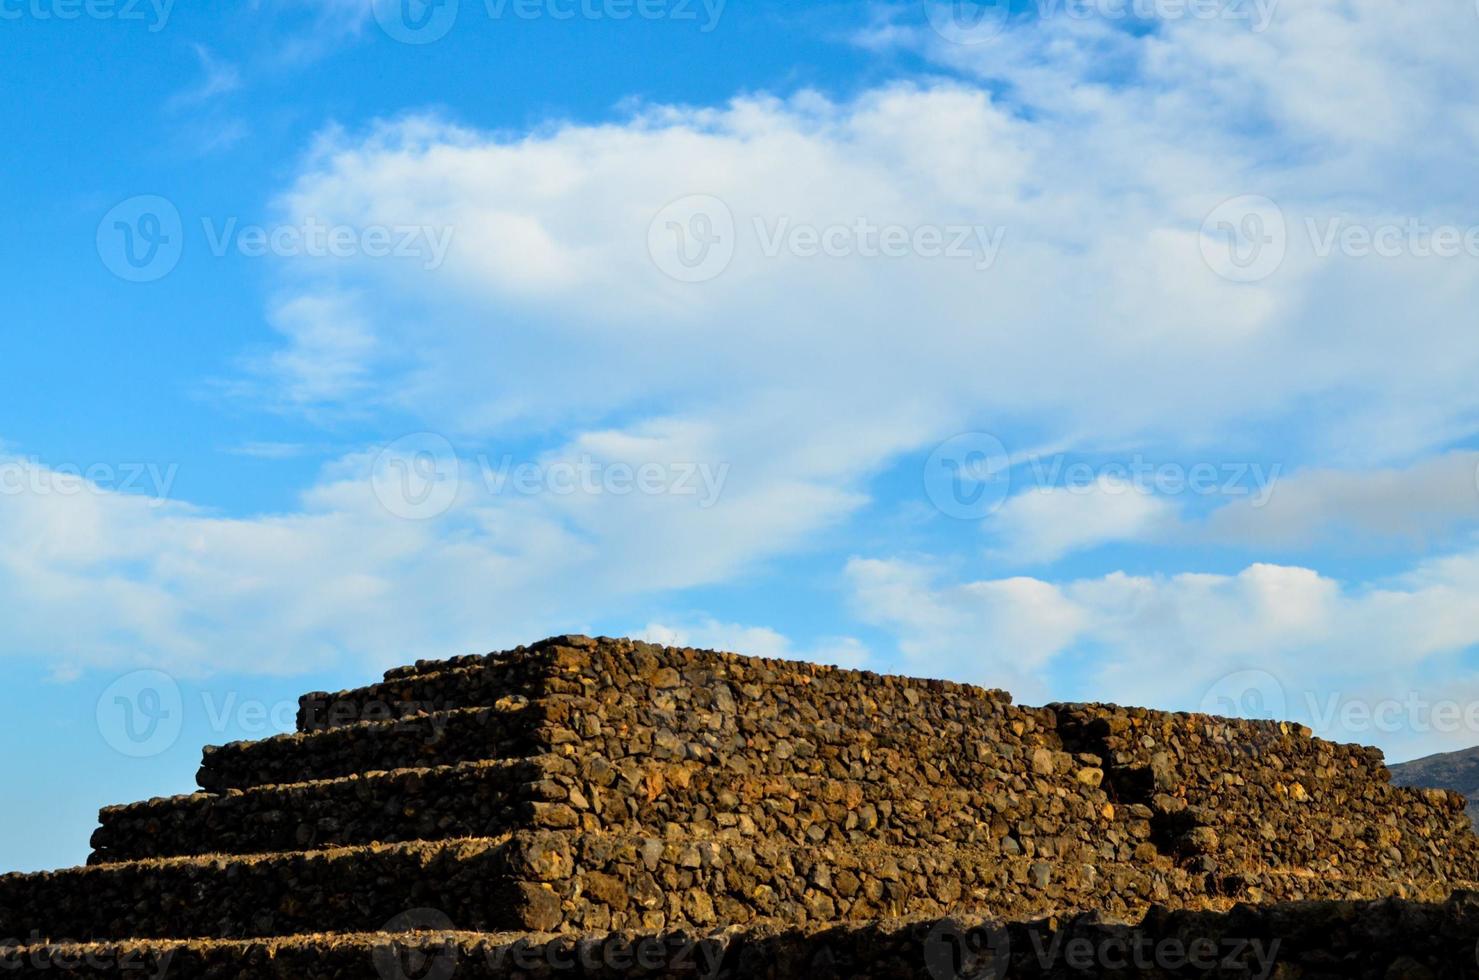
(998, 634)
(372, 568)
(270, 450)
(1100, 323)
(1169, 640)
(1255, 508)
(93, 577)
(1097, 152)
(332, 345)
(305, 30)
(200, 112)
(218, 78)
(550, 253)
(1045, 523)
(758, 641)
(1416, 506)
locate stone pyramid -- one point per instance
(567, 808)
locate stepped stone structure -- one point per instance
(1457, 771)
(586, 807)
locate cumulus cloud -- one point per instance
(1000, 634)
(413, 550)
(758, 641)
(1045, 523)
(1175, 640)
(1098, 322)
(1251, 507)
(1046, 275)
(95, 577)
(552, 252)
(328, 360)
(1415, 506)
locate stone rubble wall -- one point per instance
(481, 799)
(556, 881)
(348, 890)
(895, 760)
(768, 718)
(596, 882)
(1385, 940)
(510, 729)
(476, 799)
(1236, 799)
(1249, 810)
(588, 785)
(422, 667)
(516, 674)
(691, 798)
(820, 755)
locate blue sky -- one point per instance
(1088, 355)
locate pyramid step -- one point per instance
(476, 686)
(1309, 939)
(558, 792)
(1264, 886)
(597, 882)
(444, 664)
(559, 882)
(510, 729)
(470, 799)
(672, 703)
(579, 883)
(802, 808)
(485, 798)
(882, 950)
(298, 893)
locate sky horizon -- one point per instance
(1115, 350)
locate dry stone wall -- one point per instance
(1257, 806)
(347, 890)
(601, 882)
(513, 675)
(585, 786)
(472, 799)
(1382, 940)
(508, 730)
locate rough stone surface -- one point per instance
(472, 799)
(1242, 800)
(1456, 771)
(600, 787)
(1314, 941)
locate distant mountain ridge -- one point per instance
(1457, 771)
